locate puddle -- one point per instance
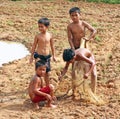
(10, 51)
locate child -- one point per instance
(36, 90)
(42, 44)
(82, 54)
(76, 29)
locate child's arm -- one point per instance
(64, 71)
(70, 38)
(93, 31)
(36, 89)
(52, 48)
(33, 49)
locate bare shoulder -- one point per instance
(50, 34)
(38, 36)
(36, 79)
(69, 26)
(84, 50)
(85, 23)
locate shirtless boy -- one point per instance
(43, 42)
(36, 90)
(76, 29)
(82, 54)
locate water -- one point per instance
(10, 51)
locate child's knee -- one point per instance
(94, 74)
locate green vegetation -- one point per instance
(105, 1)
(40, 0)
(95, 25)
(32, 0)
(97, 38)
(15, 0)
(9, 22)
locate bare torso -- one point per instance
(43, 44)
(77, 32)
(82, 52)
(31, 86)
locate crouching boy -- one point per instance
(36, 90)
(81, 54)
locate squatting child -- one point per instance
(36, 90)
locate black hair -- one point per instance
(68, 54)
(44, 21)
(39, 64)
(74, 9)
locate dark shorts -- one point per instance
(77, 48)
(46, 59)
(38, 98)
(48, 65)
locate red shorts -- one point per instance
(39, 98)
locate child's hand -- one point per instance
(54, 59)
(48, 97)
(54, 98)
(86, 39)
(86, 75)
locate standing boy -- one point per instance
(43, 42)
(76, 29)
(36, 90)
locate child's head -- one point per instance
(43, 24)
(68, 55)
(74, 9)
(40, 68)
(74, 14)
(44, 21)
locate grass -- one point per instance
(40, 0)
(104, 1)
(15, 0)
(95, 25)
(11, 23)
(97, 38)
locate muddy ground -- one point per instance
(18, 22)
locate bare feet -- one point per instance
(51, 105)
(36, 106)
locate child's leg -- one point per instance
(94, 80)
(73, 78)
(36, 105)
(51, 90)
(93, 77)
(73, 72)
(52, 95)
(48, 69)
(47, 79)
